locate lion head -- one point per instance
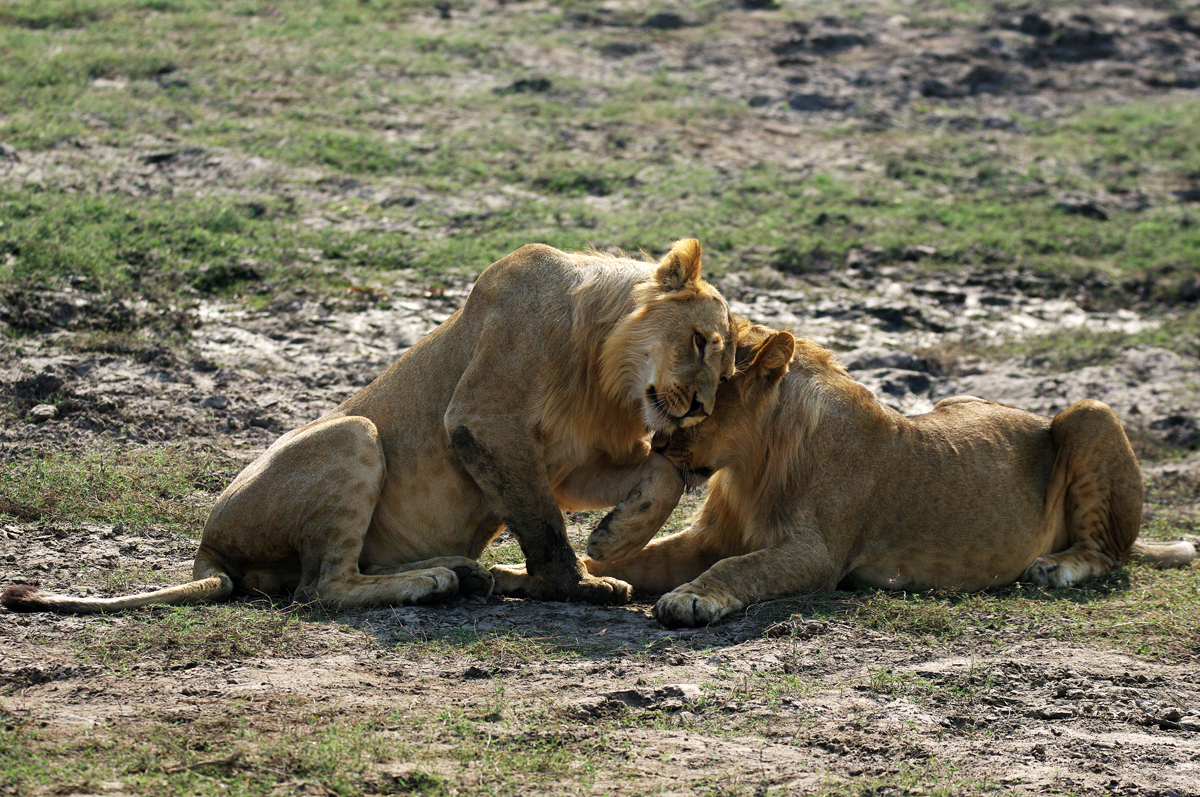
(670, 353)
(763, 356)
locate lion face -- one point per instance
(694, 352)
(763, 356)
(670, 354)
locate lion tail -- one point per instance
(214, 585)
(1163, 555)
(24, 598)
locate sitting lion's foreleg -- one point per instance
(512, 476)
(795, 566)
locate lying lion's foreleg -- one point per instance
(797, 565)
(663, 564)
(1094, 498)
(642, 495)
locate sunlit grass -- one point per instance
(172, 487)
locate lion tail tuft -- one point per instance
(27, 598)
(1165, 554)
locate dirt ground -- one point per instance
(703, 710)
(770, 698)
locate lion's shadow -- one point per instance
(473, 628)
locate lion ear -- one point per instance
(774, 356)
(750, 341)
(680, 266)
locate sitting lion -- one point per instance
(538, 395)
(817, 481)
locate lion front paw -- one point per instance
(515, 582)
(601, 589)
(610, 541)
(683, 608)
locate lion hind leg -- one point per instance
(352, 590)
(1094, 500)
(473, 578)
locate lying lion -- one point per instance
(538, 395)
(817, 481)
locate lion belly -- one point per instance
(966, 510)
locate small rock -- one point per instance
(665, 20)
(1078, 205)
(685, 691)
(872, 357)
(817, 102)
(932, 87)
(1053, 713)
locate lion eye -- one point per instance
(700, 342)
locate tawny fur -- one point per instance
(817, 481)
(538, 395)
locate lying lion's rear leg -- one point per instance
(1093, 507)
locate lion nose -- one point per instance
(696, 409)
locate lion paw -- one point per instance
(603, 590)
(513, 581)
(606, 542)
(432, 585)
(1045, 572)
(681, 608)
(474, 578)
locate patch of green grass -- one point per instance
(217, 755)
(931, 776)
(1139, 610)
(171, 487)
(1067, 350)
(178, 637)
(296, 89)
(344, 752)
(138, 248)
